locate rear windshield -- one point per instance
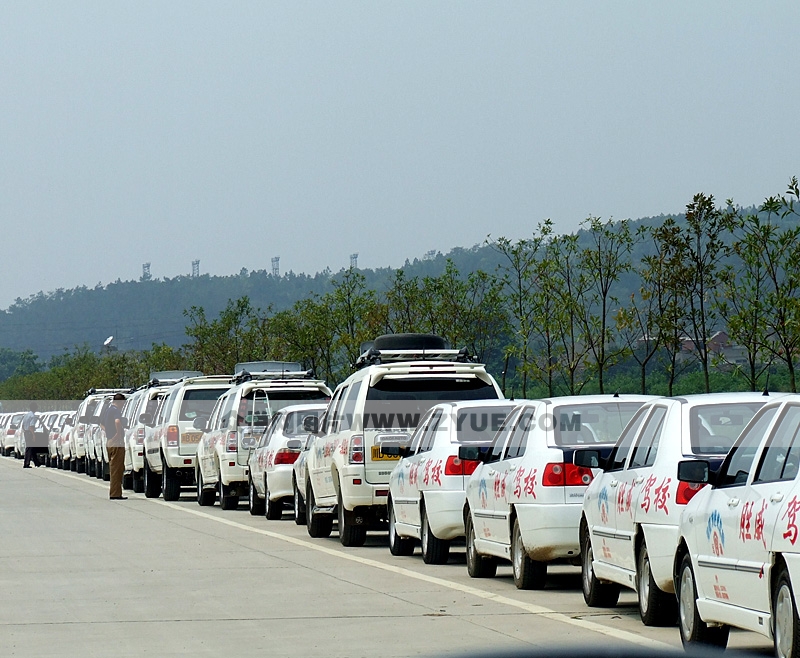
(713, 428)
(259, 405)
(400, 403)
(480, 424)
(293, 426)
(199, 402)
(582, 424)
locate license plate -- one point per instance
(191, 437)
(378, 457)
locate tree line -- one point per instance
(612, 307)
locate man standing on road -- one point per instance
(115, 433)
(28, 428)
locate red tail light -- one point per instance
(456, 466)
(172, 436)
(81, 431)
(356, 451)
(686, 491)
(569, 475)
(286, 456)
(232, 442)
(10, 431)
(140, 436)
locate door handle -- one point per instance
(776, 497)
(733, 502)
(511, 470)
(613, 483)
(639, 479)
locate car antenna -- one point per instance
(766, 387)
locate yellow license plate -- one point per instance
(378, 457)
(191, 437)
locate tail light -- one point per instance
(10, 431)
(286, 456)
(140, 436)
(356, 450)
(686, 491)
(81, 431)
(456, 466)
(232, 442)
(172, 436)
(566, 475)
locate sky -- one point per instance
(232, 132)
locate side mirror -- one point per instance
(200, 423)
(294, 444)
(124, 422)
(311, 424)
(694, 471)
(587, 458)
(471, 453)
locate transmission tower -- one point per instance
(354, 261)
(146, 271)
(195, 268)
(276, 266)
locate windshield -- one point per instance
(400, 403)
(293, 426)
(599, 422)
(714, 427)
(199, 402)
(260, 405)
(480, 424)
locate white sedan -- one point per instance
(270, 464)
(426, 488)
(629, 528)
(738, 557)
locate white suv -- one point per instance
(400, 377)
(238, 421)
(170, 449)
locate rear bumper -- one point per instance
(279, 481)
(445, 512)
(550, 532)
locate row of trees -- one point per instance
(551, 319)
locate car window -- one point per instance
(426, 442)
(225, 411)
(335, 409)
(519, 435)
(586, 424)
(736, 467)
(266, 436)
(616, 460)
(779, 460)
(500, 439)
(713, 428)
(479, 424)
(644, 454)
(349, 407)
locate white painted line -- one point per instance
(541, 611)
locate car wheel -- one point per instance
(170, 484)
(227, 501)
(89, 466)
(152, 484)
(106, 474)
(693, 629)
(127, 481)
(318, 525)
(528, 573)
(785, 625)
(73, 465)
(596, 594)
(299, 506)
(350, 534)
(434, 550)
(398, 545)
(656, 607)
(205, 497)
(65, 464)
(274, 508)
(98, 468)
(255, 503)
(81, 465)
(138, 482)
(478, 566)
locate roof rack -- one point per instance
(243, 376)
(374, 357)
(105, 391)
(174, 375)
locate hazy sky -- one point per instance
(232, 132)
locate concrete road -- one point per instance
(84, 576)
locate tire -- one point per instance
(596, 594)
(398, 546)
(106, 471)
(205, 497)
(528, 573)
(785, 624)
(170, 484)
(127, 481)
(694, 631)
(226, 500)
(73, 465)
(98, 468)
(138, 482)
(90, 467)
(81, 465)
(255, 504)
(273, 508)
(349, 534)
(152, 483)
(318, 525)
(478, 566)
(656, 607)
(65, 464)
(299, 505)
(434, 550)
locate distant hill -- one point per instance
(140, 313)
